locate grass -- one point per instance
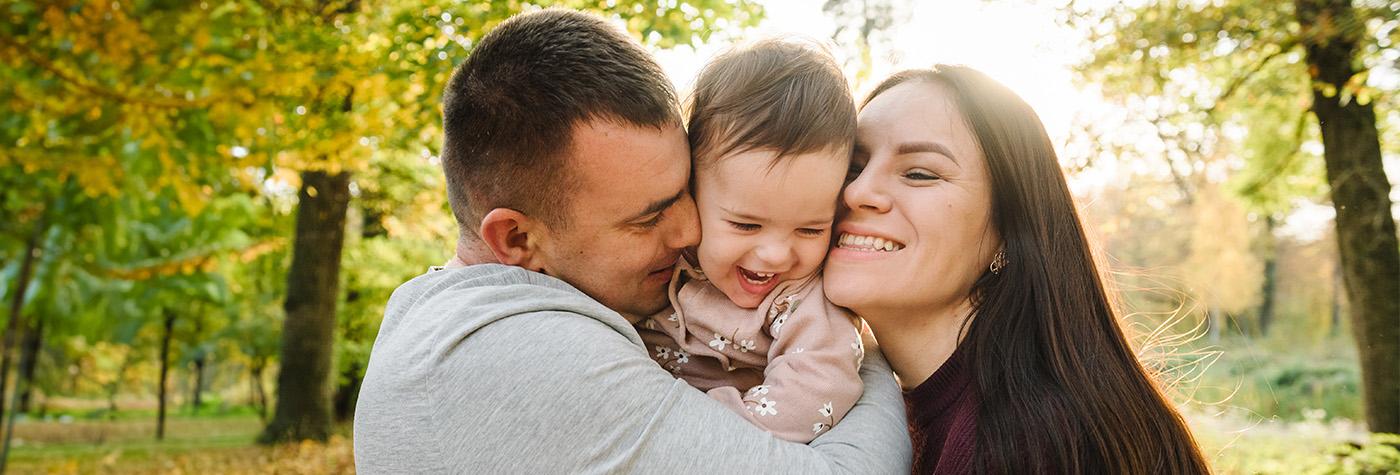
(207, 444)
(1237, 444)
(1235, 440)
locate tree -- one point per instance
(862, 27)
(398, 216)
(160, 95)
(1265, 68)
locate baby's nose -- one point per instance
(777, 255)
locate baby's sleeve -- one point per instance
(813, 373)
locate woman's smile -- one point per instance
(867, 243)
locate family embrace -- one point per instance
(783, 280)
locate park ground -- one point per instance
(225, 444)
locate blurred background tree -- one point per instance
(150, 113)
(1279, 74)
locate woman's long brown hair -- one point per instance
(1061, 389)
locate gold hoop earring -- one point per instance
(998, 262)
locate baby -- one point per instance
(771, 128)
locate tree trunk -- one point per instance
(347, 394)
(1336, 306)
(1266, 301)
(308, 333)
(1370, 253)
(10, 418)
(201, 356)
(198, 383)
(164, 372)
(29, 359)
(12, 327)
(258, 395)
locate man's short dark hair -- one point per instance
(510, 110)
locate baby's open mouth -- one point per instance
(859, 242)
(756, 278)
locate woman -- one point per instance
(962, 248)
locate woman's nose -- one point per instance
(866, 193)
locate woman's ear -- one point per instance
(507, 233)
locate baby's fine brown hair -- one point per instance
(786, 96)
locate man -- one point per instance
(567, 171)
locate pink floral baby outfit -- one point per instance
(790, 366)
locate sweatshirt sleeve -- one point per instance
(812, 378)
(557, 391)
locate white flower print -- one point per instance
(819, 427)
(682, 356)
(757, 391)
(651, 324)
(746, 346)
(719, 342)
(799, 350)
(663, 352)
(674, 316)
(825, 411)
(767, 407)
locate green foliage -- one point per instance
(1278, 452)
(1380, 455)
(153, 150)
(1217, 81)
(1282, 386)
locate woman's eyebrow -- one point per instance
(926, 147)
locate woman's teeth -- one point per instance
(756, 278)
(867, 243)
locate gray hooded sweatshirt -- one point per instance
(495, 369)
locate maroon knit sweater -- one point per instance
(943, 418)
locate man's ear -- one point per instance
(512, 237)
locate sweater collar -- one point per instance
(942, 390)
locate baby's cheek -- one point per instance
(713, 251)
(810, 256)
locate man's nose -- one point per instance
(685, 229)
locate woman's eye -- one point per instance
(811, 231)
(744, 226)
(921, 175)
